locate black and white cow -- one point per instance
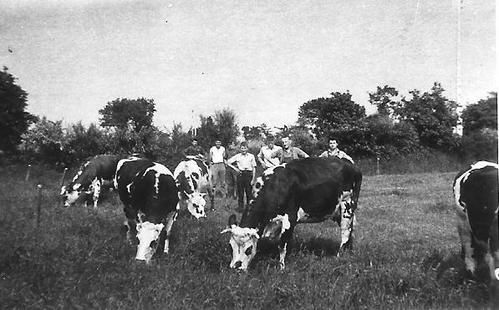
(90, 178)
(150, 197)
(477, 201)
(307, 190)
(260, 181)
(193, 181)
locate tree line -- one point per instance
(420, 123)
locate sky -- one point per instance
(262, 59)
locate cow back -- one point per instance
(127, 170)
(154, 193)
(313, 184)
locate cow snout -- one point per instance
(238, 264)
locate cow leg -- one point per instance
(131, 224)
(97, 186)
(283, 245)
(464, 230)
(346, 225)
(170, 219)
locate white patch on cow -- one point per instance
(72, 195)
(243, 242)
(277, 226)
(148, 235)
(118, 167)
(463, 177)
(129, 188)
(95, 189)
(159, 170)
(141, 216)
(496, 273)
(282, 256)
(196, 205)
(301, 214)
(347, 219)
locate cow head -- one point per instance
(71, 193)
(257, 186)
(196, 204)
(148, 235)
(243, 241)
(276, 227)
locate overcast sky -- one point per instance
(261, 58)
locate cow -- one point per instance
(92, 176)
(193, 181)
(260, 181)
(150, 198)
(477, 200)
(308, 190)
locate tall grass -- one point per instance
(405, 255)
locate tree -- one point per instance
(479, 139)
(383, 99)
(84, 142)
(45, 142)
(482, 114)
(207, 132)
(326, 115)
(14, 120)
(128, 114)
(433, 116)
(226, 123)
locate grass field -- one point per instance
(405, 255)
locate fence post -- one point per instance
(39, 205)
(377, 165)
(27, 173)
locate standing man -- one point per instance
(217, 158)
(333, 150)
(290, 153)
(270, 154)
(244, 164)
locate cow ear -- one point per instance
(232, 220)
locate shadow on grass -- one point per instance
(451, 272)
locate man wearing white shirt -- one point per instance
(270, 154)
(217, 166)
(244, 164)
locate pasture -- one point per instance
(406, 255)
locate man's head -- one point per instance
(244, 147)
(194, 141)
(218, 143)
(333, 144)
(286, 141)
(270, 141)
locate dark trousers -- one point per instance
(244, 187)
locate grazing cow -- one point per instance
(260, 181)
(307, 190)
(477, 201)
(150, 197)
(193, 182)
(96, 173)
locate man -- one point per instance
(217, 158)
(194, 150)
(270, 154)
(244, 164)
(333, 150)
(290, 153)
